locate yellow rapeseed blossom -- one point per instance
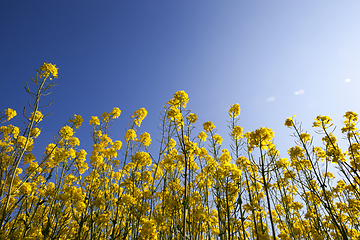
(329, 175)
(76, 121)
(260, 138)
(305, 137)
(21, 140)
(105, 116)
(117, 145)
(37, 116)
(208, 126)
(145, 139)
(171, 143)
(180, 99)
(94, 120)
(192, 118)
(282, 163)
(35, 132)
(237, 132)
(202, 135)
(26, 188)
(130, 134)
(350, 122)
(115, 113)
(289, 122)
(174, 114)
(139, 116)
(319, 153)
(234, 110)
(322, 121)
(66, 132)
(10, 113)
(28, 158)
(218, 139)
(46, 69)
(142, 159)
(296, 152)
(148, 229)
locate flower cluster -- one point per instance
(234, 110)
(46, 69)
(10, 113)
(139, 116)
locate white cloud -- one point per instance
(300, 92)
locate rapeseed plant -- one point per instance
(189, 190)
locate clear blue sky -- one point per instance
(133, 54)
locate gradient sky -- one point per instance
(275, 58)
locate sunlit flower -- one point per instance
(237, 132)
(37, 116)
(130, 134)
(10, 113)
(145, 139)
(202, 135)
(77, 120)
(289, 122)
(234, 110)
(46, 69)
(208, 126)
(139, 116)
(192, 118)
(66, 132)
(94, 121)
(117, 145)
(115, 113)
(218, 139)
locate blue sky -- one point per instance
(133, 54)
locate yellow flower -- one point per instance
(115, 113)
(202, 135)
(260, 138)
(26, 188)
(237, 132)
(104, 116)
(322, 121)
(289, 122)
(148, 229)
(94, 121)
(74, 141)
(35, 132)
(296, 152)
(117, 145)
(305, 137)
(10, 113)
(47, 68)
(208, 126)
(28, 158)
(192, 118)
(350, 122)
(234, 110)
(21, 140)
(282, 163)
(171, 143)
(145, 139)
(38, 117)
(139, 116)
(66, 132)
(76, 121)
(218, 139)
(142, 159)
(180, 99)
(130, 134)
